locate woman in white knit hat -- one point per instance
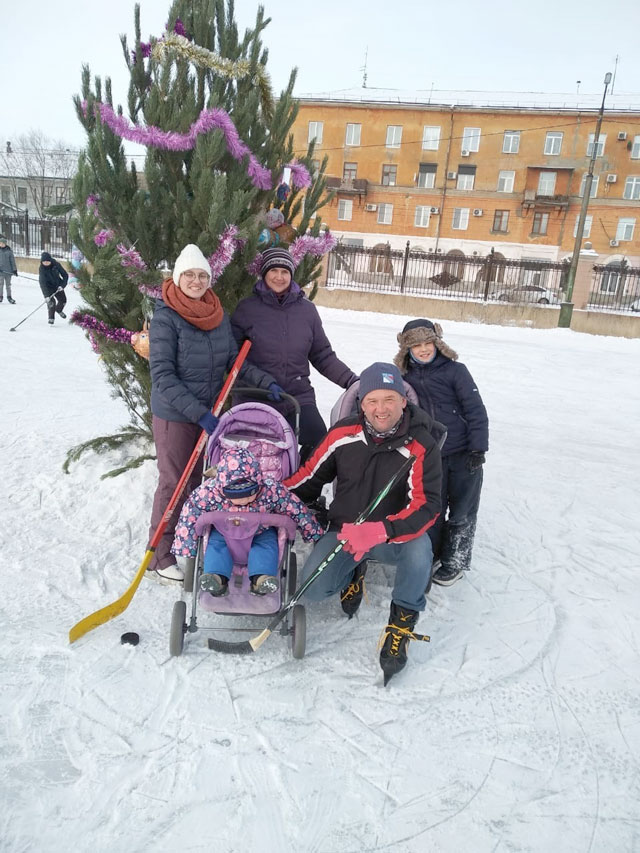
(191, 350)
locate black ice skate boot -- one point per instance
(393, 655)
(351, 595)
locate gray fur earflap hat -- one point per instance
(420, 332)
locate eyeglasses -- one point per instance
(202, 277)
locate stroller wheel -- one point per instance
(299, 631)
(178, 628)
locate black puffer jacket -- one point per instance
(7, 261)
(188, 365)
(51, 277)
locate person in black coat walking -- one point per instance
(53, 280)
(7, 269)
(447, 392)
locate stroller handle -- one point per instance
(264, 394)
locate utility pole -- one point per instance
(566, 309)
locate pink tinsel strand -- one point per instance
(179, 29)
(300, 176)
(307, 245)
(103, 237)
(209, 119)
(93, 342)
(130, 257)
(92, 203)
(153, 292)
(223, 255)
(92, 325)
(255, 266)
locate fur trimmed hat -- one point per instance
(190, 258)
(381, 376)
(420, 332)
(273, 258)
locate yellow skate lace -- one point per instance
(396, 632)
(354, 589)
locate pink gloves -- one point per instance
(360, 538)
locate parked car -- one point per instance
(529, 293)
(635, 306)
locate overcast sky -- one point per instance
(543, 46)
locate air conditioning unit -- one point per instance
(614, 243)
(435, 211)
(464, 153)
(611, 179)
(451, 176)
(622, 135)
(371, 207)
(477, 211)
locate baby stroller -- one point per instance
(265, 432)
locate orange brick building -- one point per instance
(476, 177)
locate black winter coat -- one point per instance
(7, 261)
(51, 278)
(362, 469)
(446, 390)
(188, 365)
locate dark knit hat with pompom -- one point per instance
(276, 258)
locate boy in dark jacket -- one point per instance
(53, 280)
(7, 269)
(446, 390)
(362, 453)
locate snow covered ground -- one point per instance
(516, 729)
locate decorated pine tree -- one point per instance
(219, 169)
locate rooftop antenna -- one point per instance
(363, 68)
(615, 68)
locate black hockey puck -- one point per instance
(130, 639)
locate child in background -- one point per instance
(238, 486)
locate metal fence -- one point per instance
(452, 275)
(616, 287)
(28, 236)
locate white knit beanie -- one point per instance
(190, 258)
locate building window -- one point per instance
(352, 135)
(466, 177)
(547, 183)
(506, 177)
(349, 171)
(635, 148)
(553, 143)
(631, 188)
(601, 141)
(394, 135)
(422, 216)
(427, 175)
(389, 173)
(22, 195)
(594, 186)
(625, 229)
(6, 195)
(60, 194)
(587, 226)
(470, 139)
(430, 138)
(540, 223)
(501, 221)
(511, 142)
(460, 219)
(385, 214)
(345, 209)
(315, 131)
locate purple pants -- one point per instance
(174, 446)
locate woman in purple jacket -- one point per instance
(286, 335)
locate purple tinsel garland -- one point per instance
(209, 119)
(103, 237)
(300, 176)
(92, 325)
(221, 258)
(130, 257)
(92, 203)
(153, 292)
(307, 245)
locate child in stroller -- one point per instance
(239, 486)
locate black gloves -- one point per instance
(475, 461)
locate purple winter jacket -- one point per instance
(285, 336)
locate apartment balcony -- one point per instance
(531, 198)
(357, 186)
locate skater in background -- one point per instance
(191, 350)
(446, 390)
(53, 280)
(239, 486)
(7, 269)
(286, 336)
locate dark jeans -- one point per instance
(312, 430)
(59, 301)
(5, 279)
(452, 537)
(174, 445)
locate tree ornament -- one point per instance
(140, 341)
(274, 218)
(287, 233)
(267, 239)
(282, 193)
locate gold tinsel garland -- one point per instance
(226, 68)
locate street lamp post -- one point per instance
(566, 309)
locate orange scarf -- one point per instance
(205, 313)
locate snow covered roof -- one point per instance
(623, 101)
